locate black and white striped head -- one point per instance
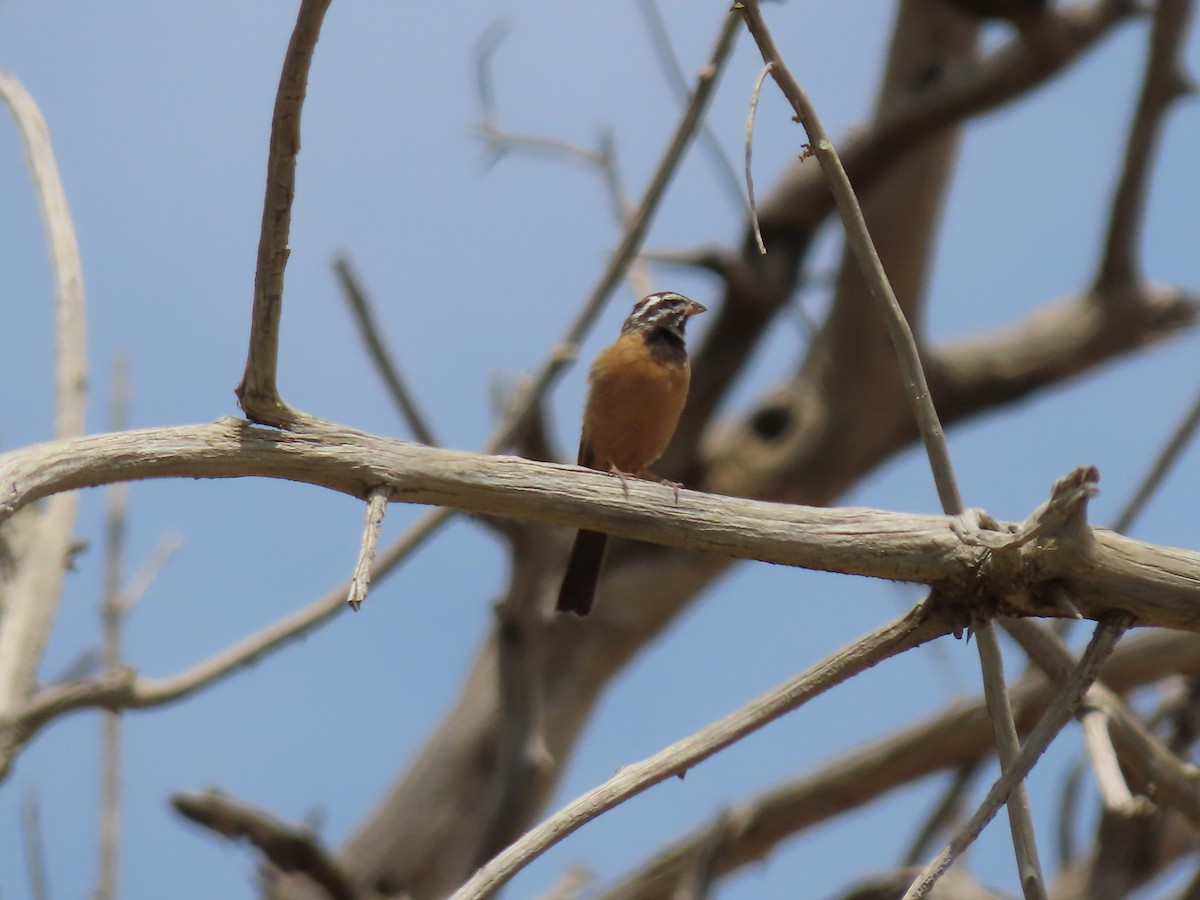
(665, 310)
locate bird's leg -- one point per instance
(651, 476)
(613, 470)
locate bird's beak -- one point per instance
(694, 308)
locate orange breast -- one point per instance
(633, 406)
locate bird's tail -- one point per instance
(583, 571)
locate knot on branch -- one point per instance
(1009, 575)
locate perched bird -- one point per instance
(636, 391)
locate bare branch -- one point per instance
(127, 690)
(1099, 568)
(1163, 83)
(1008, 747)
(863, 248)
(36, 588)
(603, 160)
(1107, 633)
(1175, 782)
(952, 738)
(946, 813)
(35, 845)
(1167, 457)
(928, 423)
(1103, 757)
(112, 611)
(631, 239)
(258, 392)
(913, 630)
(143, 579)
(377, 502)
(661, 41)
(797, 207)
(289, 849)
(762, 76)
(372, 337)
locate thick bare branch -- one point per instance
(1101, 569)
(36, 587)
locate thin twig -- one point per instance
(1114, 791)
(1067, 806)
(35, 845)
(762, 76)
(1167, 457)
(913, 630)
(289, 849)
(669, 62)
(258, 392)
(112, 618)
(1176, 782)
(35, 590)
(948, 810)
(143, 579)
(631, 239)
(1008, 747)
(1107, 633)
(917, 391)
(603, 160)
(377, 502)
(859, 239)
(385, 365)
(1163, 82)
(127, 690)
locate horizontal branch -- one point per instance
(1158, 585)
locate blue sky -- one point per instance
(160, 115)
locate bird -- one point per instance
(636, 391)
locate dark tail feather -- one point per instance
(583, 571)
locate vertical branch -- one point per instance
(111, 616)
(1163, 82)
(863, 247)
(360, 582)
(928, 423)
(1105, 638)
(35, 846)
(37, 586)
(258, 392)
(1008, 747)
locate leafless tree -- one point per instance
(760, 484)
